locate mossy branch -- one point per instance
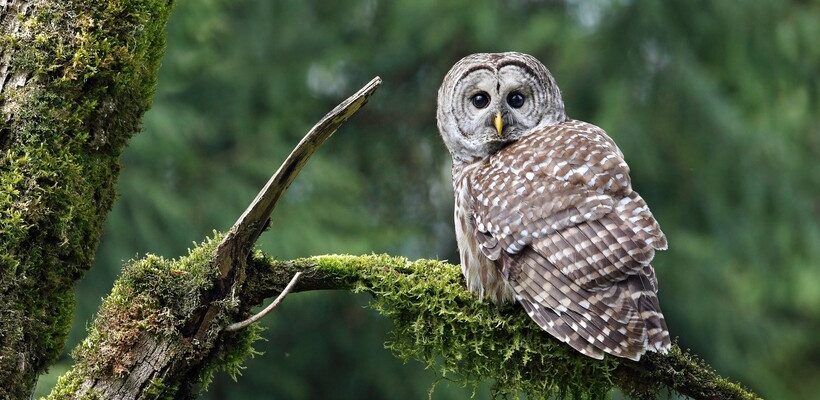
(439, 323)
(435, 320)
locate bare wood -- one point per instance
(250, 224)
(11, 25)
(261, 207)
(256, 317)
(233, 251)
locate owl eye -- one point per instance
(515, 99)
(480, 99)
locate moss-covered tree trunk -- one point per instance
(75, 78)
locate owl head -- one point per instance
(488, 100)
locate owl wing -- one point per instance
(558, 212)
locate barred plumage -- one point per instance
(548, 217)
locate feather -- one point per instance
(555, 217)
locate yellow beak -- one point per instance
(499, 124)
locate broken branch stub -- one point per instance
(232, 252)
(250, 224)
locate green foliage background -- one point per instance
(714, 104)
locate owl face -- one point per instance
(490, 99)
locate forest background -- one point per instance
(716, 106)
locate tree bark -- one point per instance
(75, 78)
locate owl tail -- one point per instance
(643, 288)
(623, 320)
(592, 323)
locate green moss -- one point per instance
(158, 299)
(67, 385)
(152, 295)
(698, 378)
(92, 71)
(230, 354)
(435, 320)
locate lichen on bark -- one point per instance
(76, 78)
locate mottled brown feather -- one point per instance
(556, 213)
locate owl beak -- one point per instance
(499, 123)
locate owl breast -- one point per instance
(482, 275)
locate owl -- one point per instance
(545, 214)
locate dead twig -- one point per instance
(240, 325)
(252, 222)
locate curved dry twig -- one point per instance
(244, 232)
(256, 317)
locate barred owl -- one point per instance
(545, 214)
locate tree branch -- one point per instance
(432, 294)
(435, 320)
